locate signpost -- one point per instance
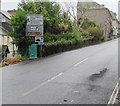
(39, 39)
(34, 28)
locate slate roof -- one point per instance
(6, 26)
(6, 14)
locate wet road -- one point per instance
(83, 76)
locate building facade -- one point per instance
(100, 15)
(5, 40)
(115, 23)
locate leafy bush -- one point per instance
(66, 36)
(96, 32)
(86, 23)
(23, 58)
(64, 42)
(18, 23)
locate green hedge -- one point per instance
(65, 45)
(66, 36)
(68, 41)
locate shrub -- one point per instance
(96, 32)
(23, 58)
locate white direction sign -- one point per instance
(39, 39)
(34, 25)
(35, 19)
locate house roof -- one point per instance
(6, 14)
(12, 12)
(6, 26)
(96, 5)
(90, 5)
(113, 15)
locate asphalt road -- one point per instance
(83, 76)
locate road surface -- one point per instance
(83, 76)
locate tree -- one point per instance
(87, 23)
(54, 22)
(18, 23)
(96, 32)
(82, 7)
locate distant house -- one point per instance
(12, 12)
(100, 15)
(4, 16)
(115, 23)
(5, 40)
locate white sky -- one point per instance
(12, 4)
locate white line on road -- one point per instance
(114, 95)
(55, 77)
(49, 80)
(42, 84)
(80, 62)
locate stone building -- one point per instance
(99, 14)
(5, 40)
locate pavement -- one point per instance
(83, 76)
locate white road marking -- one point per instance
(55, 77)
(80, 62)
(114, 95)
(42, 84)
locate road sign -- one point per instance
(34, 25)
(39, 39)
(34, 30)
(40, 43)
(35, 19)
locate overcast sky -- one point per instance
(12, 4)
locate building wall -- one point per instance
(100, 16)
(119, 10)
(6, 40)
(115, 27)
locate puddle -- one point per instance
(96, 76)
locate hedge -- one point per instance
(65, 45)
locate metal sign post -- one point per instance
(34, 27)
(41, 44)
(41, 51)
